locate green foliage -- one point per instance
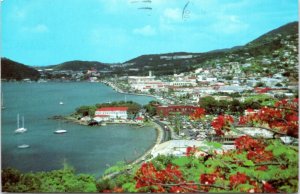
(14, 70)
(281, 171)
(118, 167)
(63, 180)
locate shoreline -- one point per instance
(122, 92)
(141, 158)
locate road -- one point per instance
(167, 132)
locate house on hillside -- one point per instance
(108, 113)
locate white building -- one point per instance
(107, 113)
(141, 79)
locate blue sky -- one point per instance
(45, 32)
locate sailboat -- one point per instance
(20, 129)
(2, 103)
(60, 130)
(23, 146)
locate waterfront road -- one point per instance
(167, 132)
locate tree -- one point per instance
(256, 165)
(260, 84)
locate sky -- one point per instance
(47, 32)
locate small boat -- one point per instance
(20, 129)
(61, 102)
(23, 146)
(103, 124)
(2, 103)
(60, 131)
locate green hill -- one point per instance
(80, 65)
(14, 70)
(263, 46)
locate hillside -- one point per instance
(14, 70)
(78, 65)
(263, 46)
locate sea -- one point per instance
(87, 149)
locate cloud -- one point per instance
(40, 28)
(108, 37)
(229, 24)
(173, 14)
(145, 31)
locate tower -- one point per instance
(150, 73)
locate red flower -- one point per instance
(199, 113)
(239, 178)
(190, 150)
(259, 155)
(262, 168)
(247, 143)
(208, 179)
(221, 122)
(268, 187)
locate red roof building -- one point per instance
(112, 112)
(121, 108)
(182, 109)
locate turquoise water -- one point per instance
(87, 149)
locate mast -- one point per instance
(23, 121)
(18, 125)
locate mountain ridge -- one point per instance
(165, 63)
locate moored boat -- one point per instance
(23, 146)
(60, 131)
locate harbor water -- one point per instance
(88, 149)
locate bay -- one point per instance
(88, 149)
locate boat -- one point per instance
(60, 131)
(23, 146)
(61, 102)
(2, 103)
(20, 129)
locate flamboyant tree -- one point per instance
(256, 165)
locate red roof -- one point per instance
(121, 108)
(139, 119)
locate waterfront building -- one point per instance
(107, 113)
(141, 79)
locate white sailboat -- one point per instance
(23, 146)
(2, 102)
(60, 130)
(20, 129)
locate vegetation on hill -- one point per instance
(80, 65)
(63, 180)
(264, 46)
(18, 71)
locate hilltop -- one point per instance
(13, 70)
(168, 63)
(78, 65)
(273, 51)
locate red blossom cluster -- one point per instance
(199, 113)
(255, 149)
(149, 178)
(246, 143)
(282, 117)
(222, 122)
(190, 151)
(238, 178)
